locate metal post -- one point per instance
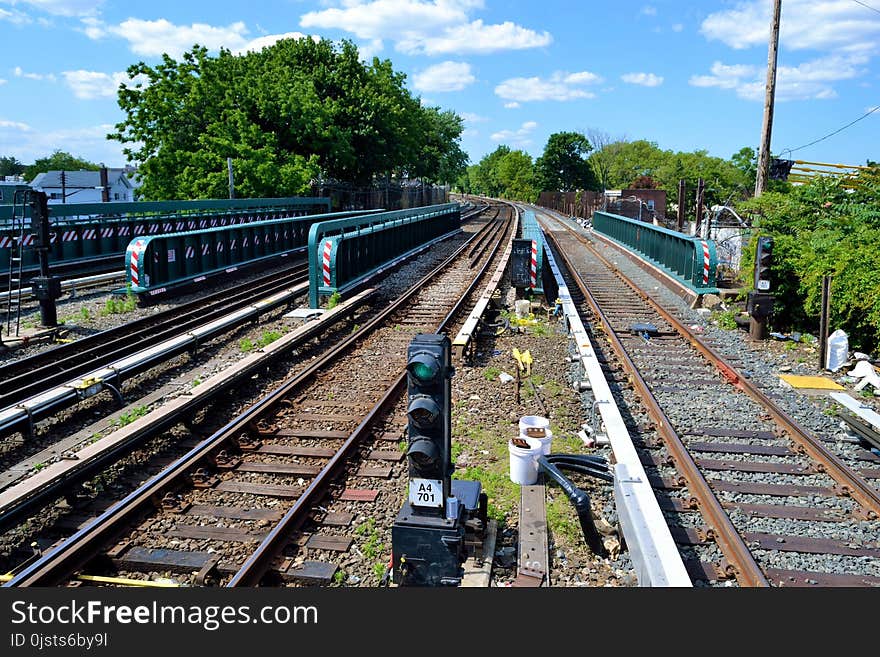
(701, 188)
(758, 328)
(47, 287)
(823, 320)
(767, 129)
(105, 186)
(231, 178)
(681, 202)
(63, 187)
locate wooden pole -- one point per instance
(769, 99)
(823, 321)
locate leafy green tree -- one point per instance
(59, 161)
(824, 229)
(440, 157)
(517, 177)
(564, 165)
(10, 166)
(287, 115)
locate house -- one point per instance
(85, 186)
(8, 186)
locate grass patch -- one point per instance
(540, 330)
(503, 493)
(790, 346)
(563, 521)
(268, 338)
(246, 345)
(491, 373)
(726, 320)
(127, 418)
(85, 313)
(39, 466)
(457, 449)
(115, 306)
(334, 300)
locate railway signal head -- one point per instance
(429, 373)
(763, 261)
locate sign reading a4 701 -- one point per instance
(426, 492)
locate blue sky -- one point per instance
(686, 75)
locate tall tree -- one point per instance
(59, 161)
(605, 150)
(10, 166)
(288, 114)
(564, 165)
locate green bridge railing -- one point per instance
(691, 261)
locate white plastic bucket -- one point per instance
(532, 425)
(546, 439)
(524, 462)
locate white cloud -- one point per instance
(560, 87)
(269, 40)
(14, 125)
(15, 17)
(153, 38)
(677, 27)
(805, 24)
(62, 7)
(470, 117)
(2, 82)
(88, 85)
(475, 38)
(512, 105)
(446, 76)
(520, 137)
(810, 80)
(648, 10)
(94, 28)
(643, 79)
(431, 27)
(369, 50)
(19, 73)
(29, 143)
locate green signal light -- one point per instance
(424, 368)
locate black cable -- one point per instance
(831, 134)
(858, 2)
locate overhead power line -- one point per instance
(867, 6)
(831, 134)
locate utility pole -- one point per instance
(681, 201)
(231, 178)
(767, 130)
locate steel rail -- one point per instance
(731, 544)
(851, 483)
(27, 377)
(256, 566)
(56, 565)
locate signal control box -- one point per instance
(760, 305)
(46, 288)
(429, 550)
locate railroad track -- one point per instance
(292, 465)
(29, 376)
(752, 497)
